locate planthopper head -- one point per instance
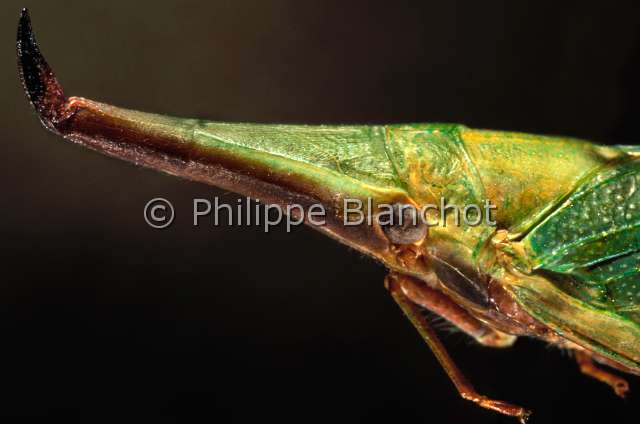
(338, 179)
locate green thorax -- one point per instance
(524, 176)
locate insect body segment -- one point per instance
(594, 238)
(589, 249)
(560, 261)
(598, 223)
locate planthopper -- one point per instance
(502, 234)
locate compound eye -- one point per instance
(402, 224)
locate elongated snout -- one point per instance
(327, 166)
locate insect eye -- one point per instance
(402, 224)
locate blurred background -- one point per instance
(101, 315)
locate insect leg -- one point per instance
(466, 390)
(588, 367)
(439, 303)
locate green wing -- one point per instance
(589, 250)
(594, 238)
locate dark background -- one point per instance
(101, 315)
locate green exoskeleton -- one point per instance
(559, 259)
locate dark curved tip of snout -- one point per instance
(40, 84)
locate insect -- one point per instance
(558, 261)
